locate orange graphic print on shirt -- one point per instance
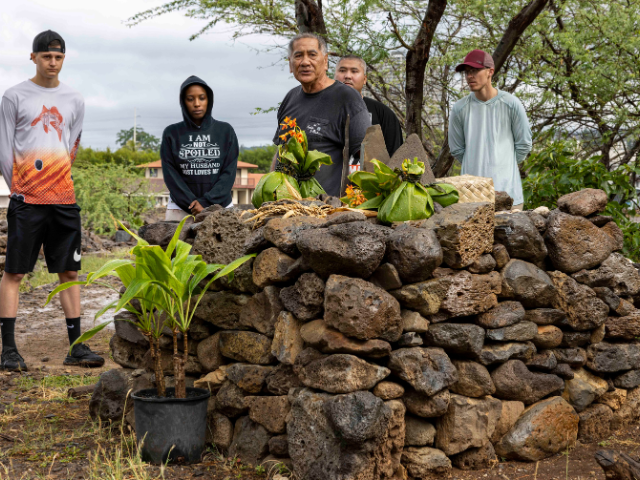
(50, 118)
(44, 177)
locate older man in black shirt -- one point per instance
(352, 70)
(320, 107)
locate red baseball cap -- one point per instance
(477, 59)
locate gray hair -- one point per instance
(321, 42)
(351, 56)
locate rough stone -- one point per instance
(247, 347)
(595, 423)
(414, 252)
(109, 398)
(287, 341)
(160, 233)
(423, 297)
(344, 436)
(474, 379)
(630, 379)
(469, 294)
(538, 220)
(412, 148)
(208, 352)
(361, 310)
(623, 328)
(465, 231)
(614, 399)
(427, 406)
(418, 432)
(520, 236)
(545, 316)
(127, 354)
(476, 458)
(460, 338)
(500, 254)
(250, 378)
(564, 371)
(548, 336)
(575, 339)
(585, 311)
(373, 146)
(222, 309)
(428, 370)
(354, 249)
(261, 311)
(279, 445)
(583, 389)
(469, 422)
(423, 462)
(597, 334)
(413, 322)
(528, 284)
(544, 429)
(483, 264)
(616, 272)
(386, 277)
(338, 373)
(544, 360)
(255, 241)
(501, 352)
(270, 412)
(318, 335)
(575, 243)
(283, 232)
(388, 390)
(410, 339)
(605, 357)
(305, 299)
(221, 237)
(272, 266)
(344, 217)
(514, 381)
(126, 330)
(502, 315)
(617, 236)
(629, 412)
(575, 357)
(230, 400)
(584, 202)
(219, 431)
(511, 411)
(282, 379)
(250, 442)
(504, 202)
(520, 332)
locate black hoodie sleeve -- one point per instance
(180, 192)
(221, 190)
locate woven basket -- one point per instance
(472, 189)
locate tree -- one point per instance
(87, 156)
(261, 156)
(144, 141)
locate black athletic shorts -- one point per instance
(56, 227)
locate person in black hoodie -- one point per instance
(199, 155)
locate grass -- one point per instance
(90, 263)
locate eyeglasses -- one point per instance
(471, 72)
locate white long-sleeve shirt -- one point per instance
(40, 131)
(490, 139)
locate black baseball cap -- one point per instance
(43, 40)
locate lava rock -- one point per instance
(460, 338)
(272, 267)
(386, 277)
(511, 411)
(520, 236)
(388, 390)
(305, 299)
(607, 357)
(502, 315)
(270, 412)
(501, 352)
(548, 336)
(584, 202)
(474, 379)
(483, 264)
(282, 379)
(261, 311)
(583, 389)
(545, 316)
(413, 322)
(476, 458)
(318, 335)
(247, 347)
(623, 328)
(428, 370)
(514, 381)
(423, 462)
(250, 442)
(283, 232)
(630, 379)
(414, 252)
(250, 378)
(585, 311)
(287, 341)
(500, 254)
(222, 309)
(520, 332)
(528, 284)
(574, 357)
(595, 423)
(427, 406)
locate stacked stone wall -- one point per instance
(348, 349)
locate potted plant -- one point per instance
(163, 288)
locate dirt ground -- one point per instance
(44, 434)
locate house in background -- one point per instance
(4, 193)
(241, 192)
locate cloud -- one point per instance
(118, 68)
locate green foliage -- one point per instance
(144, 140)
(122, 157)
(555, 171)
(261, 156)
(105, 192)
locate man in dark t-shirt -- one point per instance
(352, 70)
(320, 107)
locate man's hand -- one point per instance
(195, 207)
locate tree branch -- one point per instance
(396, 32)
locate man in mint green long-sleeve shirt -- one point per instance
(489, 132)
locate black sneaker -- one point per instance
(82, 356)
(12, 361)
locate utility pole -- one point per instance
(134, 129)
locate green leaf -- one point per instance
(61, 288)
(176, 236)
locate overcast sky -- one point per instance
(118, 68)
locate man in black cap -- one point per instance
(40, 128)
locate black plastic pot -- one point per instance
(172, 429)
